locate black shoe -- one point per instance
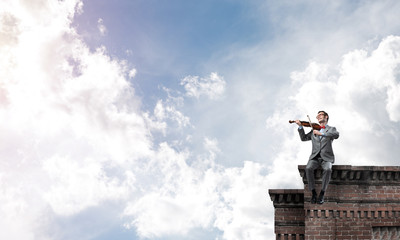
(314, 197)
(321, 199)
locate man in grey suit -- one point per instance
(321, 155)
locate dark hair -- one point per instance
(325, 114)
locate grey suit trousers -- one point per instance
(326, 172)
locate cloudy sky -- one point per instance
(136, 119)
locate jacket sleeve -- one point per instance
(333, 133)
(303, 135)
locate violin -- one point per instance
(315, 126)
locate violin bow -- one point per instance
(309, 120)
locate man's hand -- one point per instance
(318, 133)
(298, 122)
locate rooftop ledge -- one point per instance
(293, 198)
(360, 175)
(348, 185)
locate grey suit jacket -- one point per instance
(321, 146)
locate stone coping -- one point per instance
(287, 197)
(359, 175)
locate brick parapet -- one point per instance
(289, 213)
(362, 202)
(359, 175)
(359, 185)
(287, 197)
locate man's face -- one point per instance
(321, 117)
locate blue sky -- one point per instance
(168, 40)
(168, 119)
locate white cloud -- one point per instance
(79, 185)
(212, 86)
(167, 115)
(168, 110)
(70, 120)
(245, 213)
(180, 194)
(132, 73)
(231, 199)
(102, 28)
(74, 137)
(211, 146)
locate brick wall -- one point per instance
(362, 202)
(289, 213)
